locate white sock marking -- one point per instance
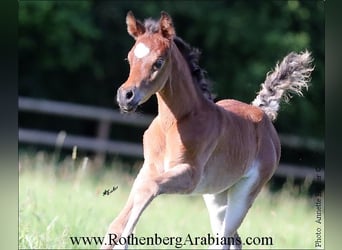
(141, 50)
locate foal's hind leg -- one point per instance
(216, 205)
(240, 198)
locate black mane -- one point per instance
(191, 55)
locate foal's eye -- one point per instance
(158, 64)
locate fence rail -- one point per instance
(87, 143)
(82, 111)
(105, 117)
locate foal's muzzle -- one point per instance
(128, 99)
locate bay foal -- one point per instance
(225, 151)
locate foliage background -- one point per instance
(74, 51)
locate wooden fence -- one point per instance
(102, 145)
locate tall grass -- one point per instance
(65, 199)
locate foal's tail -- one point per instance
(290, 76)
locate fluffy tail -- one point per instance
(290, 76)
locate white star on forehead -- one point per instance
(141, 50)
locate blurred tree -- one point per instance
(75, 51)
(56, 48)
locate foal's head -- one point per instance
(149, 60)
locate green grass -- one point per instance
(57, 201)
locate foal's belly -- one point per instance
(218, 175)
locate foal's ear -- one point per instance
(134, 27)
(166, 26)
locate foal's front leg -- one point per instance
(179, 179)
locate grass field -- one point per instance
(59, 201)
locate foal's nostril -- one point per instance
(129, 95)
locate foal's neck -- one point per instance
(179, 97)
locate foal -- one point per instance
(225, 151)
